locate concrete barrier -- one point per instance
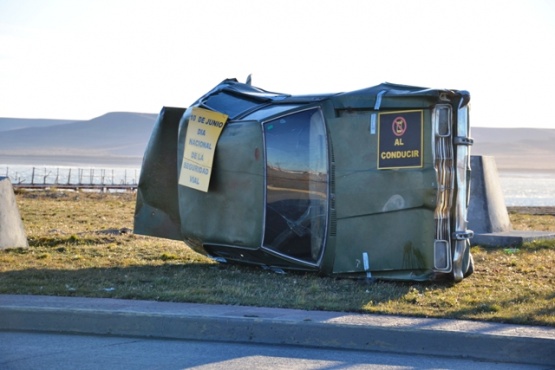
(12, 231)
(487, 212)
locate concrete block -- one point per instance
(513, 238)
(487, 213)
(12, 231)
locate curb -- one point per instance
(418, 336)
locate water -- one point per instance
(519, 188)
(528, 189)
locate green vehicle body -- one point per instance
(369, 183)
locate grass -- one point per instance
(81, 244)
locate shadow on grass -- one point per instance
(204, 283)
(198, 282)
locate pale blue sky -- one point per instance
(81, 59)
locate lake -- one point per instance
(528, 189)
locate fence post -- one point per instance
(33, 176)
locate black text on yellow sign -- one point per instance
(203, 131)
(400, 139)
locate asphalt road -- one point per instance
(23, 351)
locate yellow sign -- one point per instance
(203, 132)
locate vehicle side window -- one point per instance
(296, 185)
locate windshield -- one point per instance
(296, 185)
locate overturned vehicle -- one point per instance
(370, 183)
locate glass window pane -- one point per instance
(297, 185)
(230, 104)
(268, 111)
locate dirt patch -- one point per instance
(532, 210)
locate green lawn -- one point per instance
(81, 245)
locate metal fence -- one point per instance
(71, 177)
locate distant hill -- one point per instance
(516, 149)
(121, 138)
(7, 124)
(113, 137)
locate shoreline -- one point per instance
(71, 161)
(136, 161)
(528, 210)
(524, 177)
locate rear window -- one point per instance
(296, 185)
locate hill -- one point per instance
(121, 138)
(516, 149)
(110, 138)
(7, 124)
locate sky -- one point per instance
(67, 59)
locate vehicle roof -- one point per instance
(237, 99)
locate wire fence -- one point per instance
(48, 176)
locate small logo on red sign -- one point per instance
(399, 126)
